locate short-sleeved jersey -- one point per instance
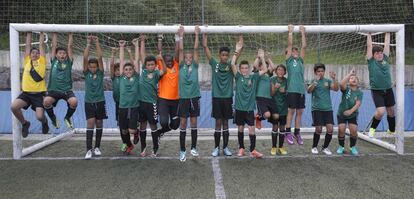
(222, 83)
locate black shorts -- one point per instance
(96, 110)
(148, 112)
(244, 117)
(117, 111)
(60, 95)
(189, 107)
(222, 108)
(322, 118)
(281, 121)
(296, 100)
(128, 118)
(35, 100)
(265, 105)
(342, 120)
(383, 98)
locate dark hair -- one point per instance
(167, 55)
(129, 64)
(149, 58)
(243, 63)
(224, 49)
(376, 49)
(61, 48)
(116, 66)
(318, 66)
(33, 48)
(281, 66)
(93, 61)
(293, 48)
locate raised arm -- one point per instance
(237, 53)
(121, 56)
(181, 44)
(28, 45)
(268, 59)
(369, 46)
(70, 46)
(334, 86)
(142, 52)
(205, 47)
(159, 43)
(112, 63)
(290, 41)
(99, 53)
(86, 53)
(137, 66)
(345, 81)
(263, 69)
(42, 48)
(304, 45)
(312, 86)
(54, 45)
(196, 41)
(387, 44)
(164, 68)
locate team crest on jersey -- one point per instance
(94, 76)
(326, 84)
(173, 70)
(249, 82)
(227, 68)
(63, 66)
(150, 76)
(384, 62)
(295, 63)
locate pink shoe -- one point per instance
(289, 138)
(299, 139)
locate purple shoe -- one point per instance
(289, 138)
(299, 139)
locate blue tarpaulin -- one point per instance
(366, 112)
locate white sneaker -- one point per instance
(97, 152)
(194, 152)
(315, 150)
(326, 151)
(88, 155)
(182, 156)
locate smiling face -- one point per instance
(353, 80)
(295, 52)
(280, 71)
(224, 56)
(168, 59)
(128, 70)
(244, 69)
(188, 58)
(34, 54)
(150, 65)
(379, 56)
(93, 67)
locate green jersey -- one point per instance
(246, 91)
(115, 88)
(321, 96)
(188, 86)
(295, 80)
(379, 74)
(348, 100)
(222, 83)
(129, 91)
(148, 85)
(60, 78)
(94, 91)
(280, 98)
(263, 87)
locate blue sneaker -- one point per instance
(340, 150)
(216, 152)
(227, 152)
(182, 156)
(354, 150)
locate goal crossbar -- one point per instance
(15, 28)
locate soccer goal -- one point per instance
(267, 34)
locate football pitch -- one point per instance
(59, 171)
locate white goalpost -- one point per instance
(15, 28)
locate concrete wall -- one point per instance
(204, 73)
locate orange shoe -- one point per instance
(258, 122)
(255, 154)
(241, 152)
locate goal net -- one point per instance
(340, 47)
